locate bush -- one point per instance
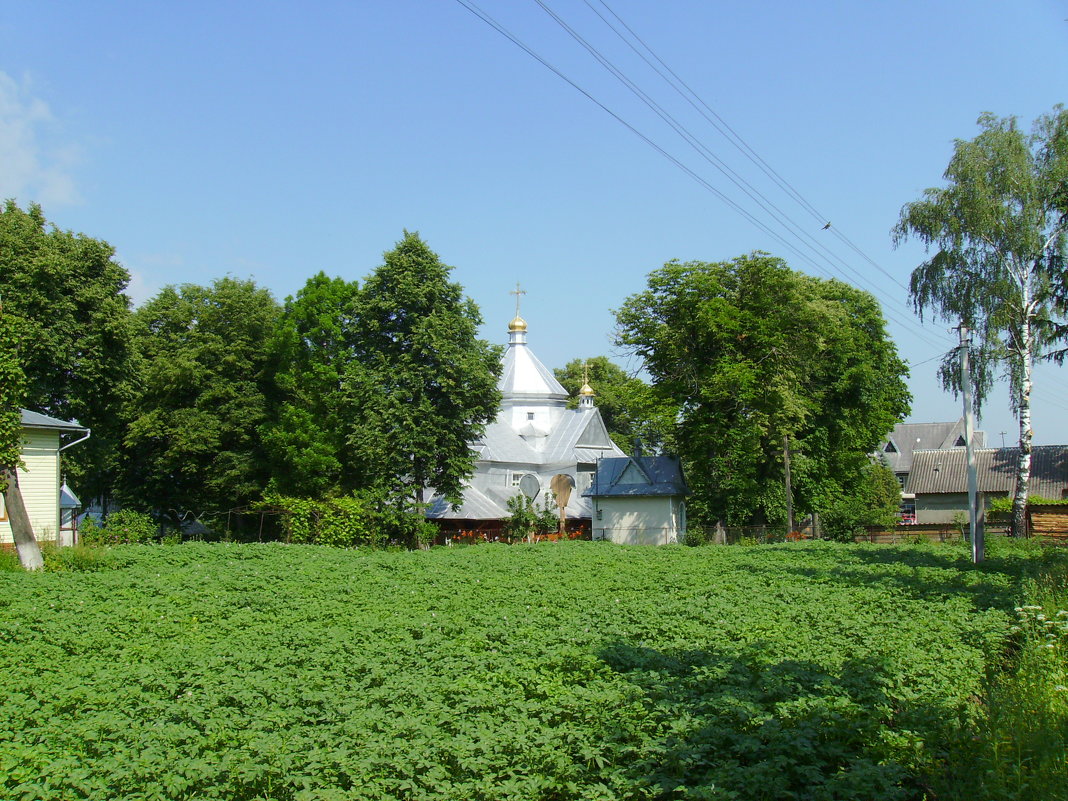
(76, 558)
(124, 527)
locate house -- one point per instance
(44, 438)
(938, 480)
(534, 441)
(639, 500)
(897, 452)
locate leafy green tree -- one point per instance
(875, 500)
(12, 385)
(77, 355)
(998, 229)
(626, 404)
(527, 519)
(193, 443)
(305, 435)
(422, 384)
(754, 359)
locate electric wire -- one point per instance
(778, 215)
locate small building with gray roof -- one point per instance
(938, 479)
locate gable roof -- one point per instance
(38, 420)
(945, 471)
(638, 476)
(907, 438)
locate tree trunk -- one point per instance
(21, 530)
(1023, 467)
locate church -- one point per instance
(536, 445)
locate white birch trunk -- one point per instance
(1023, 466)
(21, 529)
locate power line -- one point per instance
(907, 322)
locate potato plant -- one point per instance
(554, 671)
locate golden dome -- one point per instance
(586, 391)
(518, 324)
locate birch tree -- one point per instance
(997, 233)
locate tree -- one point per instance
(305, 436)
(12, 385)
(77, 356)
(998, 231)
(625, 402)
(422, 384)
(193, 442)
(874, 501)
(750, 354)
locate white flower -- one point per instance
(1061, 688)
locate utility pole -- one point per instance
(789, 488)
(976, 533)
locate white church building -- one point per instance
(535, 443)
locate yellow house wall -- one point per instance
(39, 482)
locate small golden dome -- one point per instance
(586, 390)
(518, 324)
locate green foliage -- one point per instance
(122, 527)
(584, 670)
(313, 343)
(361, 519)
(625, 402)
(423, 384)
(1003, 503)
(526, 519)
(1017, 749)
(12, 384)
(873, 501)
(748, 352)
(77, 558)
(77, 353)
(193, 442)
(9, 561)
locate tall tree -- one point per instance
(305, 435)
(750, 353)
(68, 291)
(193, 443)
(625, 402)
(423, 384)
(998, 229)
(12, 385)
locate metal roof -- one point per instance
(67, 498)
(945, 471)
(638, 476)
(524, 376)
(907, 438)
(38, 420)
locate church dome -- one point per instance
(518, 324)
(586, 391)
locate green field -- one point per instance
(557, 671)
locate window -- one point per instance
(890, 448)
(960, 442)
(516, 478)
(3, 509)
(530, 415)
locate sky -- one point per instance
(272, 140)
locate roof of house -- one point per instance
(638, 476)
(907, 438)
(945, 471)
(37, 420)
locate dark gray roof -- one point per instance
(37, 420)
(945, 471)
(638, 476)
(907, 438)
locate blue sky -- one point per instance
(272, 140)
